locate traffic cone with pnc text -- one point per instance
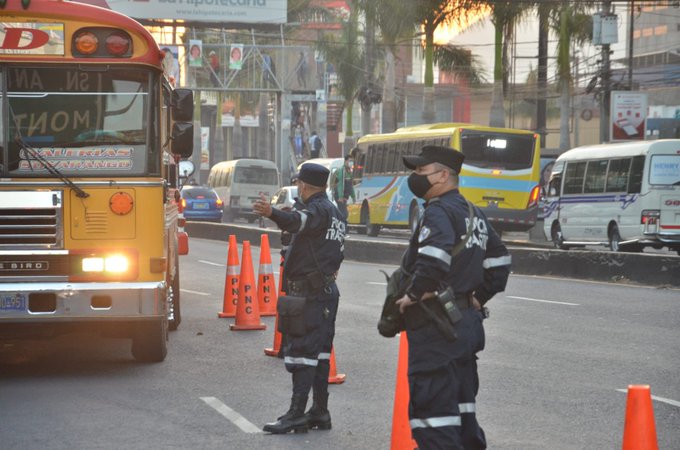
(231, 281)
(247, 311)
(639, 432)
(266, 286)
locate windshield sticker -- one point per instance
(79, 159)
(22, 38)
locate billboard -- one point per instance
(628, 115)
(243, 11)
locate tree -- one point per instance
(573, 26)
(395, 22)
(504, 16)
(431, 14)
(346, 55)
(461, 62)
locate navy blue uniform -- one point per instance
(442, 374)
(317, 245)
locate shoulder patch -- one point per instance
(424, 233)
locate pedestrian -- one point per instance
(343, 188)
(315, 145)
(311, 265)
(442, 372)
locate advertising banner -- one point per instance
(236, 57)
(205, 148)
(628, 115)
(243, 11)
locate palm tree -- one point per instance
(431, 14)
(504, 16)
(394, 19)
(461, 62)
(346, 55)
(573, 26)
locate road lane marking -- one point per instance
(210, 263)
(194, 292)
(658, 399)
(379, 283)
(542, 301)
(231, 415)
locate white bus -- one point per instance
(625, 196)
(240, 182)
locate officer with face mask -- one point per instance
(442, 370)
(311, 264)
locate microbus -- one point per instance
(624, 195)
(240, 182)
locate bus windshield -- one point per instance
(497, 150)
(256, 175)
(84, 122)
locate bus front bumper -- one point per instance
(81, 302)
(511, 219)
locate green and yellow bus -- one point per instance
(500, 175)
(90, 135)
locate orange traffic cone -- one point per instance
(247, 311)
(231, 281)
(639, 431)
(275, 350)
(333, 376)
(401, 429)
(266, 294)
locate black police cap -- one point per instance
(314, 174)
(435, 154)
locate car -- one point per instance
(201, 203)
(284, 198)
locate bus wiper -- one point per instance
(36, 156)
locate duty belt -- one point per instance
(304, 287)
(464, 301)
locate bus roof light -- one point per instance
(86, 43)
(118, 44)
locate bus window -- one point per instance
(617, 177)
(664, 170)
(595, 176)
(635, 183)
(497, 150)
(573, 178)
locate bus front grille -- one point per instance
(30, 220)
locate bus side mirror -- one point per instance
(183, 105)
(182, 139)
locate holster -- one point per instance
(291, 312)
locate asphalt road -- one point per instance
(558, 354)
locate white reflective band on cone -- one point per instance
(436, 422)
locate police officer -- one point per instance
(311, 264)
(442, 372)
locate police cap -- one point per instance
(314, 174)
(436, 154)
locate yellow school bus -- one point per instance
(90, 135)
(500, 175)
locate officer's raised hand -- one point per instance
(262, 207)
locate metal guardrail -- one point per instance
(641, 268)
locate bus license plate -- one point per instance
(12, 302)
(200, 206)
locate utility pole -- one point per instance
(630, 44)
(606, 95)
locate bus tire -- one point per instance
(614, 238)
(150, 341)
(173, 298)
(557, 236)
(413, 217)
(363, 220)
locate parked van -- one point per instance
(240, 182)
(625, 196)
(332, 164)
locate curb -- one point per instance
(639, 268)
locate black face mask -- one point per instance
(419, 184)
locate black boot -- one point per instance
(318, 416)
(294, 420)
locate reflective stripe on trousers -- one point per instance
(446, 421)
